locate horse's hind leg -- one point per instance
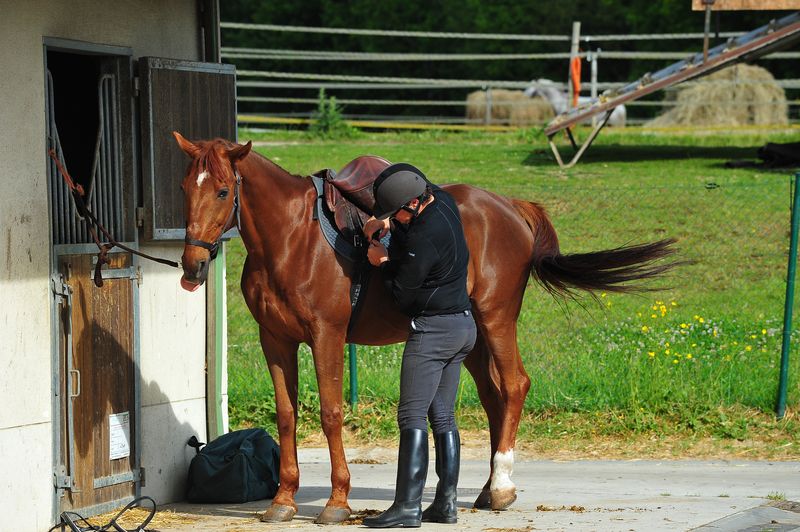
(480, 365)
(513, 382)
(327, 347)
(282, 361)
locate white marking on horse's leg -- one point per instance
(503, 466)
(201, 177)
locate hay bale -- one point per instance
(508, 107)
(739, 95)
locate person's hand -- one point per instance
(373, 225)
(377, 253)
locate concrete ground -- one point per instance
(629, 495)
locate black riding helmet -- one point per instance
(395, 186)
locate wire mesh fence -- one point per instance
(277, 81)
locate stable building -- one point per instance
(101, 387)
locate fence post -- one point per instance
(780, 409)
(592, 57)
(573, 52)
(488, 118)
(353, 375)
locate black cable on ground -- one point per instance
(70, 520)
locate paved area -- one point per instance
(572, 495)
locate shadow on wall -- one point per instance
(165, 431)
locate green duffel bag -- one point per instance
(239, 466)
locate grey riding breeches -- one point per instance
(436, 347)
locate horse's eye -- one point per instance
(223, 193)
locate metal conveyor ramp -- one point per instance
(777, 34)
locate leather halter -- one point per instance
(213, 247)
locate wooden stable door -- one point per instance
(98, 383)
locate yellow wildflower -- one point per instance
(675, 361)
(666, 351)
(748, 348)
(763, 331)
(701, 320)
(645, 328)
(753, 336)
(688, 355)
(684, 326)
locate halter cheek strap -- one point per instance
(213, 247)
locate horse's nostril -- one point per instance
(200, 267)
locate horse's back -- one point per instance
(500, 243)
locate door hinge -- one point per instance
(142, 477)
(62, 481)
(139, 216)
(135, 86)
(59, 287)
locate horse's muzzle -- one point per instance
(195, 273)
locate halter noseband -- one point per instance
(213, 247)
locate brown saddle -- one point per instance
(348, 194)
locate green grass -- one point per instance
(697, 357)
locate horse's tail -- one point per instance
(607, 270)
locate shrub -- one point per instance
(328, 122)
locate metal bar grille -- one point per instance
(104, 189)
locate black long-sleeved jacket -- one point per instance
(427, 268)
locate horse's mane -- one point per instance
(211, 162)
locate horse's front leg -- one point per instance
(327, 348)
(282, 361)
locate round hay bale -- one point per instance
(508, 107)
(739, 95)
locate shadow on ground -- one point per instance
(311, 501)
(617, 153)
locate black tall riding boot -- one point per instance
(448, 457)
(412, 468)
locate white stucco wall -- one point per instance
(172, 336)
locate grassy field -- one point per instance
(696, 360)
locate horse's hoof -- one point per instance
(502, 499)
(332, 515)
(484, 500)
(278, 513)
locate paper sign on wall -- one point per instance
(119, 426)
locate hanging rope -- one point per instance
(575, 78)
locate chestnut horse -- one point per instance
(298, 289)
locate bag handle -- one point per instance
(193, 442)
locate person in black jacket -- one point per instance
(425, 270)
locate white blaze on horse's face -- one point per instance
(201, 177)
(502, 467)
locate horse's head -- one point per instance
(211, 189)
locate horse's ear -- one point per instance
(240, 151)
(186, 145)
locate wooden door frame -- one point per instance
(128, 151)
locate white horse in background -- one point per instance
(559, 100)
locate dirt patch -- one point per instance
(358, 517)
(136, 516)
(573, 508)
